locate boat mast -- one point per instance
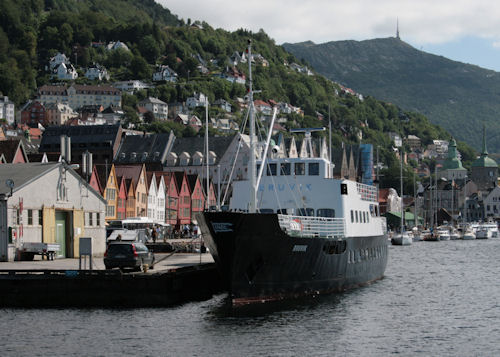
(253, 190)
(207, 200)
(415, 217)
(401, 183)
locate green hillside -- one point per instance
(32, 31)
(460, 97)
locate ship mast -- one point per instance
(401, 184)
(207, 155)
(252, 170)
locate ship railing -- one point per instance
(304, 226)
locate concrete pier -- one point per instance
(175, 279)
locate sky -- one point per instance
(462, 30)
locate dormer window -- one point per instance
(184, 159)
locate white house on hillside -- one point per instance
(155, 106)
(117, 45)
(97, 72)
(65, 72)
(197, 100)
(58, 59)
(7, 110)
(164, 73)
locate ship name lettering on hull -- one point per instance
(299, 248)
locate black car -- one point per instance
(128, 255)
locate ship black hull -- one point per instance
(259, 262)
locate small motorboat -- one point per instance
(403, 238)
(469, 234)
(430, 236)
(454, 233)
(443, 233)
(483, 232)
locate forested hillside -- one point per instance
(460, 97)
(31, 31)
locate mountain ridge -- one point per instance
(458, 96)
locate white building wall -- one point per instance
(43, 193)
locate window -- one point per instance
(266, 210)
(325, 212)
(30, 217)
(352, 216)
(271, 170)
(40, 217)
(313, 168)
(257, 171)
(300, 168)
(285, 168)
(98, 219)
(309, 212)
(357, 217)
(281, 211)
(110, 193)
(110, 211)
(91, 216)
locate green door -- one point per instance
(61, 233)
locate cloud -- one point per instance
(422, 21)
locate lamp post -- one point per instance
(4, 230)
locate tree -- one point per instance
(149, 117)
(139, 68)
(130, 116)
(149, 48)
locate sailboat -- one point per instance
(403, 237)
(292, 229)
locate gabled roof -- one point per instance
(101, 173)
(133, 148)
(217, 144)
(10, 148)
(81, 134)
(129, 171)
(149, 178)
(24, 174)
(151, 100)
(179, 176)
(192, 181)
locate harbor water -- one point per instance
(437, 299)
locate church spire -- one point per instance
(485, 152)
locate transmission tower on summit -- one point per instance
(397, 29)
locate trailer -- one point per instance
(29, 249)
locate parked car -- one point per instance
(123, 254)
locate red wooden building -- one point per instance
(184, 201)
(121, 206)
(197, 196)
